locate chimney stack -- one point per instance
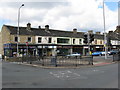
(98, 33)
(46, 27)
(75, 31)
(110, 32)
(90, 31)
(28, 26)
(39, 27)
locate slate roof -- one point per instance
(114, 36)
(51, 32)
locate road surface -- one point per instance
(22, 76)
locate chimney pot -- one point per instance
(28, 26)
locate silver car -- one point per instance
(74, 55)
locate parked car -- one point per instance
(103, 53)
(75, 54)
(113, 52)
(96, 53)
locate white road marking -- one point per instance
(67, 75)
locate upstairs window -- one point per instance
(80, 41)
(39, 39)
(101, 42)
(50, 40)
(95, 41)
(73, 41)
(29, 39)
(16, 39)
(62, 40)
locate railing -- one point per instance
(61, 61)
(55, 61)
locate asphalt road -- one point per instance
(21, 76)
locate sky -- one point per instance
(61, 15)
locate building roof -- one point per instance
(50, 32)
(114, 36)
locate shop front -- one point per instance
(10, 50)
(64, 50)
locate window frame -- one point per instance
(18, 39)
(38, 40)
(30, 39)
(74, 41)
(80, 41)
(63, 40)
(49, 40)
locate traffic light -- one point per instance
(91, 38)
(85, 38)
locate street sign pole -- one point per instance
(27, 47)
(88, 43)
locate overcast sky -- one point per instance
(62, 15)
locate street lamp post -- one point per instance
(105, 41)
(18, 29)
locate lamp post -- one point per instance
(18, 29)
(105, 41)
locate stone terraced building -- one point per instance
(45, 41)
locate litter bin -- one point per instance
(54, 61)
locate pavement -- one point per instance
(100, 61)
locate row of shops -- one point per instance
(10, 50)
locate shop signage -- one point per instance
(26, 43)
(47, 46)
(114, 46)
(63, 46)
(85, 46)
(97, 47)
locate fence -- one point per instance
(56, 61)
(59, 61)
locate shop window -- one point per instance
(16, 39)
(39, 39)
(49, 40)
(29, 39)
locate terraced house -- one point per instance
(45, 41)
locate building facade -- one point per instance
(46, 41)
